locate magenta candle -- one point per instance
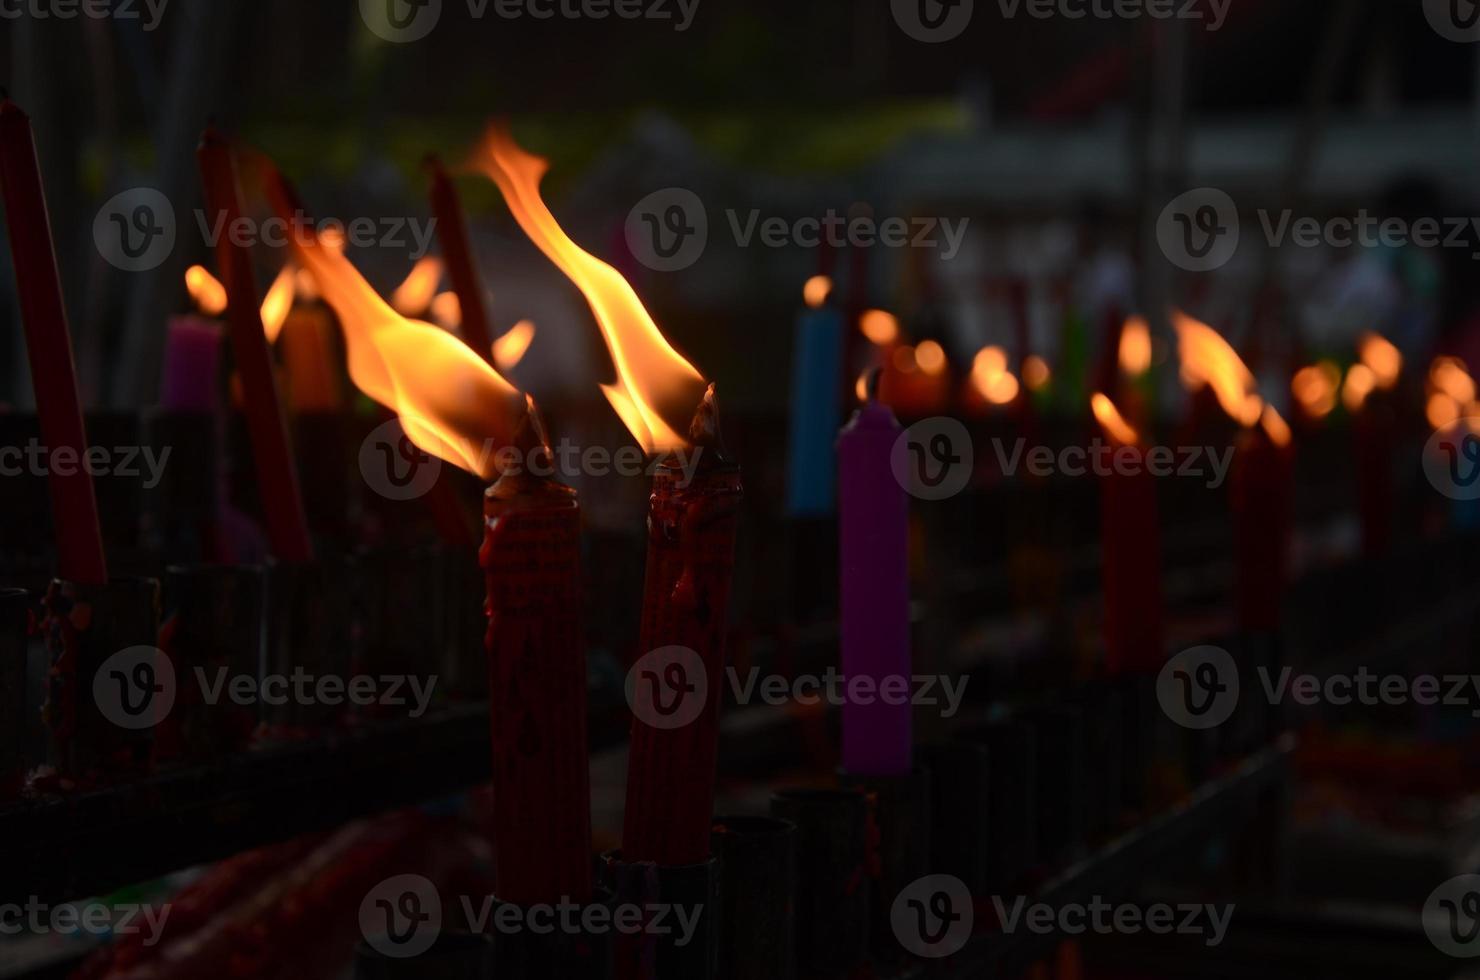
(873, 513)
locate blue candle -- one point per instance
(816, 399)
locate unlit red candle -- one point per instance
(874, 567)
(277, 474)
(49, 346)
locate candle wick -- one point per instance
(871, 384)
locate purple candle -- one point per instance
(874, 525)
(192, 365)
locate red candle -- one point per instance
(686, 599)
(1261, 491)
(457, 253)
(277, 474)
(1130, 540)
(531, 558)
(49, 346)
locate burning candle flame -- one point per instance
(1360, 382)
(1315, 387)
(509, 349)
(451, 403)
(653, 381)
(1135, 346)
(1275, 427)
(1449, 375)
(990, 377)
(447, 311)
(278, 303)
(1036, 373)
(931, 357)
(816, 291)
(1210, 360)
(879, 327)
(205, 290)
(416, 292)
(1382, 358)
(1112, 422)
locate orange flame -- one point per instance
(451, 403)
(860, 387)
(816, 291)
(1449, 375)
(1275, 427)
(931, 357)
(1360, 382)
(1381, 357)
(1036, 373)
(206, 290)
(1111, 420)
(1315, 387)
(446, 310)
(1442, 411)
(278, 303)
(990, 377)
(1209, 359)
(879, 327)
(415, 294)
(653, 381)
(509, 349)
(1135, 346)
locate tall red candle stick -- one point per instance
(692, 518)
(455, 405)
(1130, 538)
(1261, 491)
(686, 599)
(457, 253)
(49, 346)
(277, 473)
(531, 558)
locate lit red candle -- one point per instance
(1262, 499)
(692, 520)
(453, 404)
(1130, 539)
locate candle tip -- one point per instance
(532, 435)
(704, 430)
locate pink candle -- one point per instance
(874, 514)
